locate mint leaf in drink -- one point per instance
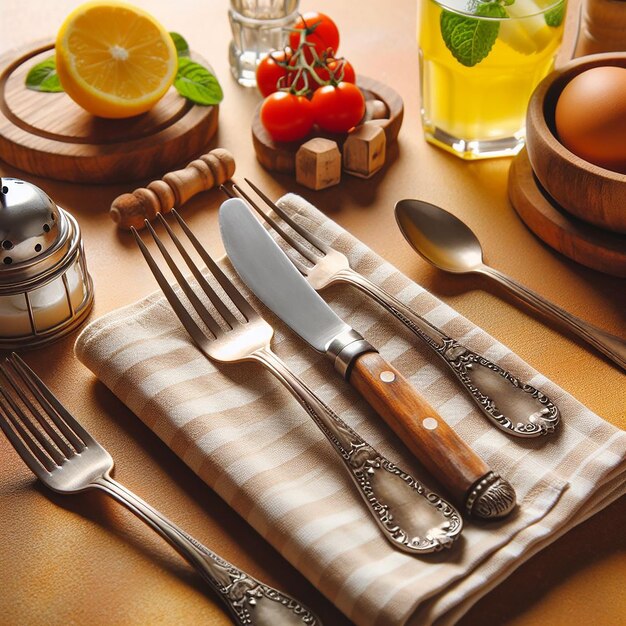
(182, 47)
(196, 83)
(44, 77)
(554, 17)
(470, 40)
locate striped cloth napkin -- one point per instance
(250, 441)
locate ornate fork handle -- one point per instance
(250, 602)
(413, 518)
(516, 407)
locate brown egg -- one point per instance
(591, 117)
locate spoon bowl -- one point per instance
(447, 243)
(439, 236)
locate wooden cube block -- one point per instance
(318, 164)
(364, 150)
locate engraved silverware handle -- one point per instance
(512, 405)
(610, 345)
(411, 517)
(249, 601)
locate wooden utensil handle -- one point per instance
(446, 456)
(174, 189)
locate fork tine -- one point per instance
(31, 454)
(217, 302)
(303, 232)
(185, 319)
(35, 436)
(21, 439)
(232, 292)
(59, 442)
(305, 252)
(59, 415)
(183, 283)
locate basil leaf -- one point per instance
(197, 84)
(44, 77)
(182, 47)
(468, 39)
(554, 17)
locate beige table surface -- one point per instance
(85, 559)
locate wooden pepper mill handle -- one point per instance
(174, 189)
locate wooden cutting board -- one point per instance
(49, 135)
(589, 245)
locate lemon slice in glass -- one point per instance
(526, 31)
(114, 59)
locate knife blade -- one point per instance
(269, 273)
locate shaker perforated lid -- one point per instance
(35, 234)
(29, 222)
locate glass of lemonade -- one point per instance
(480, 60)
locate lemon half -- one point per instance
(114, 59)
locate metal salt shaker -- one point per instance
(45, 288)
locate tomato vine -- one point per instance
(308, 65)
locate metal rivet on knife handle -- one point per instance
(446, 456)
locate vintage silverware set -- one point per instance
(504, 399)
(288, 286)
(411, 516)
(384, 487)
(265, 268)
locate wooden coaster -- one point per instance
(49, 135)
(281, 156)
(593, 247)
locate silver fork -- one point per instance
(67, 459)
(512, 405)
(411, 517)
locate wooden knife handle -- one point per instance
(444, 454)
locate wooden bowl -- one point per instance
(590, 192)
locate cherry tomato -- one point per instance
(269, 72)
(338, 109)
(321, 31)
(337, 67)
(287, 117)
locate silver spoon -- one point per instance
(445, 241)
